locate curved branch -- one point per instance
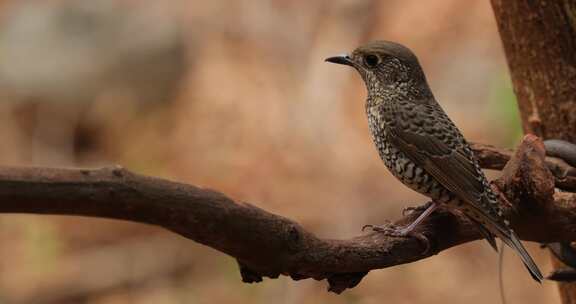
(266, 244)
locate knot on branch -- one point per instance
(526, 180)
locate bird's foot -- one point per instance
(393, 230)
(421, 208)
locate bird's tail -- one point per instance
(513, 242)
(502, 230)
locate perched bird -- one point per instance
(422, 147)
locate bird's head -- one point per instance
(385, 67)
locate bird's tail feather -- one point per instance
(507, 235)
(513, 242)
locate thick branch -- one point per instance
(269, 245)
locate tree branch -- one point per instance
(266, 244)
(494, 158)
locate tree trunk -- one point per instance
(539, 39)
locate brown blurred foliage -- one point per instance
(235, 96)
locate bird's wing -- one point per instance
(429, 138)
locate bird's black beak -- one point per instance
(340, 59)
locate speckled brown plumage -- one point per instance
(421, 146)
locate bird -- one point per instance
(422, 147)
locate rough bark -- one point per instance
(539, 38)
(269, 245)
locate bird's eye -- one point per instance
(371, 60)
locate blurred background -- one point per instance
(235, 96)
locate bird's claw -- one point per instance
(382, 228)
(377, 228)
(393, 230)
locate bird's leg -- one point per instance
(408, 229)
(394, 230)
(404, 231)
(420, 208)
